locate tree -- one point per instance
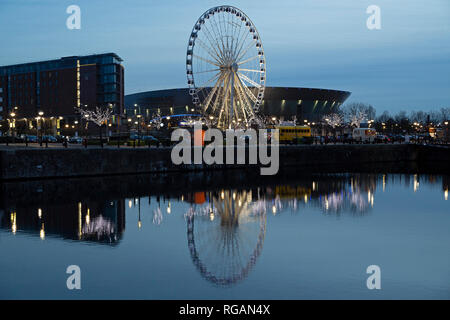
(445, 114)
(157, 120)
(357, 112)
(385, 116)
(98, 116)
(333, 119)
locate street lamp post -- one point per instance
(139, 129)
(12, 125)
(41, 114)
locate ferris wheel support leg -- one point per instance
(231, 100)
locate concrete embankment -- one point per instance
(17, 163)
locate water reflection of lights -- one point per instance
(416, 183)
(355, 201)
(446, 194)
(130, 204)
(39, 213)
(99, 228)
(42, 232)
(13, 223)
(225, 236)
(80, 222)
(157, 216)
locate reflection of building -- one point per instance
(56, 87)
(304, 103)
(89, 221)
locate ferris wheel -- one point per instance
(226, 67)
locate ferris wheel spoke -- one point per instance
(241, 54)
(247, 79)
(245, 96)
(245, 99)
(216, 57)
(248, 98)
(206, 60)
(251, 70)
(212, 92)
(241, 99)
(215, 36)
(248, 60)
(206, 71)
(212, 38)
(240, 41)
(220, 31)
(238, 38)
(206, 84)
(221, 89)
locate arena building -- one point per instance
(280, 102)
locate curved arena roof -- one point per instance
(283, 102)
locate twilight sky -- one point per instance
(308, 43)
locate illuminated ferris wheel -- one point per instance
(226, 67)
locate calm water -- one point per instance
(303, 237)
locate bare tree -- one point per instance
(99, 116)
(445, 114)
(333, 119)
(157, 120)
(357, 118)
(357, 112)
(385, 116)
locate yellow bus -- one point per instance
(294, 134)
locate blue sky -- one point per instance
(308, 43)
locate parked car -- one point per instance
(75, 140)
(149, 138)
(381, 138)
(60, 139)
(49, 139)
(31, 138)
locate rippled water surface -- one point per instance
(304, 237)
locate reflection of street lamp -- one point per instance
(139, 212)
